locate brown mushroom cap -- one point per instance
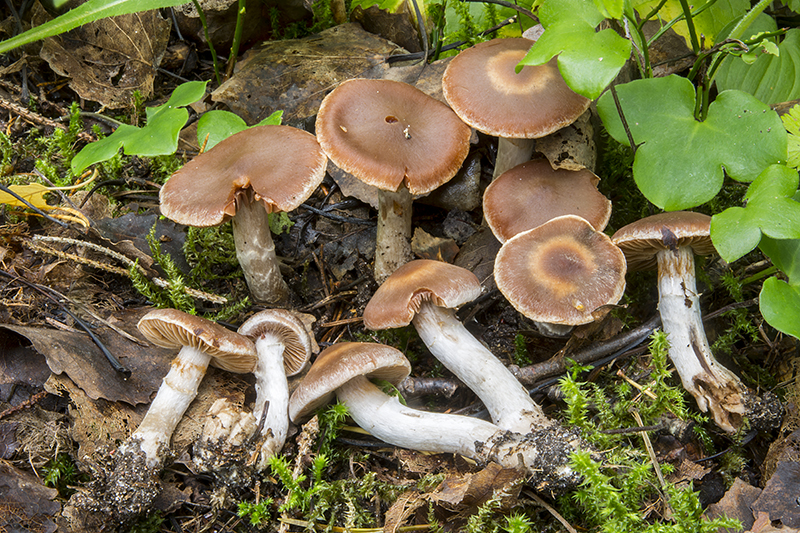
(396, 302)
(290, 329)
(387, 132)
(170, 328)
(337, 365)
(279, 166)
(483, 88)
(640, 241)
(561, 271)
(532, 193)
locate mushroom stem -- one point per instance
(177, 391)
(713, 386)
(387, 419)
(510, 153)
(508, 402)
(255, 251)
(272, 387)
(393, 246)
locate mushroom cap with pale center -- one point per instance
(483, 88)
(173, 329)
(279, 166)
(387, 133)
(340, 363)
(560, 272)
(532, 193)
(640, 241)
(289, 329)
(398, 299)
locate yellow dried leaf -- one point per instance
(33, 193)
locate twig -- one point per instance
(159, 282)
(30, 402)
(36, 118)
(337, 218)
(530, 374)
(551, 510)
(59, 299)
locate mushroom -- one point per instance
(260, 170)
(346, 369)
(283, 346)
(126, 483)
(483, 88)
(201, 342)
(561, 273)
(532, 193)
(670, 240)
(395, 137)
(425, 292)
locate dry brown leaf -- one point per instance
(109, 59)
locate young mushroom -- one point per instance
(345, 369)
(670, 241)
(533, 193)
(284, 347)
(395, 137)
(253, 173)
(425, 293)
(127, 484)
(561, 273)
(483, 88)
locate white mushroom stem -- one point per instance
(387, 419)
(393, 240)
(713, 386)
(255, 251)
(272, 387)
(510, 153)
(177, 391)
(508, 402)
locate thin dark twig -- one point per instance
(32, 207)
(423, 34)
(57, 298)
(731, 307)
(625, 126)
(527, 12)
(337, 218)
(530, 374)
(623, 431)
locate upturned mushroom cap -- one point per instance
(170, 328)
(561, 271)
(279, 166)
(640, 241)
(483, 88)
(396, 302)
(337, 365)
(387, 132)
(532, 193)
(290, 329)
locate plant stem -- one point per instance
(687, 13)
(237, 39)
(202, 16)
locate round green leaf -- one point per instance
(218, 125)
(780, 306)
(587, 60)
(680, 162)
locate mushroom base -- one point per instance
(393, 240)
(255, 251)
(508, 402)
(543, 455)
(715, 388)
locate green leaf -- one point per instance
(679, 161)
(770, 78)
(158, 137)
(785, 255)
(707, 24)
(610, 9)
(89, 12)
(780, 306)
(770, 211)
(220, 124)
(588, 60)
(791, 121)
